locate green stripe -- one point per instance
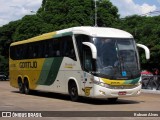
(49, 71)
(63, 34)
(67, 34)
(133, 81)
(45, 71)
(54, 70)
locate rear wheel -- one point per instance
(73, 91)
(21, 86)
(26, 87)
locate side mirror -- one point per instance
(147, 52)
(93, 49)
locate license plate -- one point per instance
(122, 93)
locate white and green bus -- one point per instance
(94, 62)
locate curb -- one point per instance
(151, 91)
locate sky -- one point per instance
(11, 10)
(140, 7)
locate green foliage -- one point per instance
(6, 37)
(69, 13)
(107, 14)
(30, 26)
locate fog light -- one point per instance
(138, 92)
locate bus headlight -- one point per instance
(101, 84)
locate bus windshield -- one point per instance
(117, 58)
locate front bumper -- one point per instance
(102, 92)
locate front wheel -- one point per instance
(73, 91)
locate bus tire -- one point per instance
(73, 91)
(26, 86)
(112, 100)
(21, 86)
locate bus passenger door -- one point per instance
(87, 63)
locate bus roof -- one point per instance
(98, 32)
(86, 30)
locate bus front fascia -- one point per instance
(147, 52)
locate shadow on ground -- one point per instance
(84, 100)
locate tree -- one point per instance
(54, 15)
(30, 26)
(6, 37)
(107, 14)
(69, 13)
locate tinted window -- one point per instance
(56, 47)
(79, 39)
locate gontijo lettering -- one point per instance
(28, 64)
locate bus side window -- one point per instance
(69, 48)
(56, 48)
(35, 48)
(40, 49)
(30, 52)
(46, 50)
(12, 52)
(79, 39)
(25, 51)
(87, 58)
(19, 52)
(50, 48)
(16, 52)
